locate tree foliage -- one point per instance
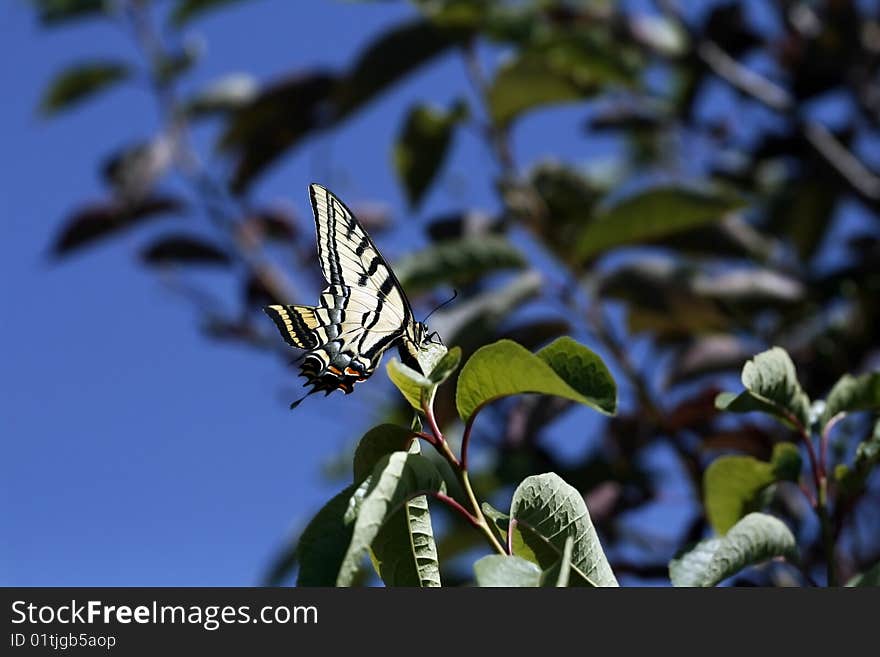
(714, 244)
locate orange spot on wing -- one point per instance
(335, 370)
(352, 372)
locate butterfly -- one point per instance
(363, 310)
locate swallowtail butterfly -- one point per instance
(363, 311)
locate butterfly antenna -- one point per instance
(448, 301)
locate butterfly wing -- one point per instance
(363, 310)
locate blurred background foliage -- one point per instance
(739, 210)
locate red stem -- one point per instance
(466, 440)
(452, 503)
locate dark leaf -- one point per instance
(257, 293)
(391, 57)
(422, 147)
(187, 10)
(94, 222)
(557, 203)
(184, 249)
(277, 119)
(270, 223)
(458, 225)
(282, 115)
(58, 12)
(79, 82)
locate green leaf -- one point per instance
(282, 115)
(851, 394)
(58, 12)
(323, 544)
(377, 443)
(417, 388)
(457, 262)
(564, 368)
(446, 366)
(186, 10)
(851, 480)
(754, 539)
(653, 214)
(324, 541)
(422, 147)
(870, 577)
(497, 570)
(560, 573)
(556, 71)
(732, 485)
(404, 551)
(772, 387)
(80, 82)
(396, 479)
(525, 83)
(547, 511)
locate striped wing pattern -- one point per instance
(362, 312)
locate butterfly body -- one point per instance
(362, 312)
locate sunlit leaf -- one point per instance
(564, 368)
(754, 539)
(772, 387)
(323, 544)
(134, 170)
(81, 81)
(418, 388)
(548, 512)
(851, 394)
(497, 570)
(395, 480)
(404, 551)
(732, 484)
(227, 94)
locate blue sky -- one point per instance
(136, 452)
